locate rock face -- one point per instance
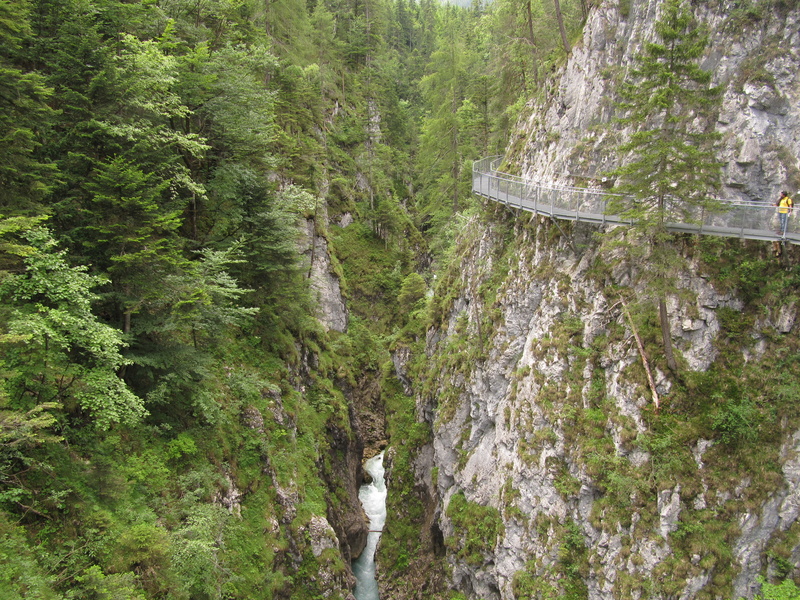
(551, 429)
(325, 283)
(754, 54)
(549, 424)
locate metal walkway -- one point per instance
(750, 221)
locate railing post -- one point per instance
(741, 224)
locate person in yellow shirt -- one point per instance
(784, 205)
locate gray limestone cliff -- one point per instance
(543, 414)
(567, 458)
(332, 312)
(754, 54)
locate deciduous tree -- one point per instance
(60, 351)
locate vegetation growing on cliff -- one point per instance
(722, 429)
(477, 529)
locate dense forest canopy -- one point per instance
(161, 162)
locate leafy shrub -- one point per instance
(785, 590)
(736, 421)
(20, 575)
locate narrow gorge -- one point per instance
(240, 254)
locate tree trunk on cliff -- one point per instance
(669, 102)
(532, 42)
(560, 19)
(666, 335)
(642, 353)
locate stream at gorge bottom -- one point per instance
(373, 499)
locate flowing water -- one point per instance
(373, 499)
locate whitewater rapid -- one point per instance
(373, 499)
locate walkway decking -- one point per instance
(751, 221)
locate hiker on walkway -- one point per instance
(784, 205)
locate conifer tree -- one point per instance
(561, 29)
(669, 102)
(24, 115)
(444, 89)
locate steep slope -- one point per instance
(568, 460)
(544, 415)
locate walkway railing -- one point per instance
(752, 221)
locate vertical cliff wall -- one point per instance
(556, 471)
(753, 52)
(568, 460)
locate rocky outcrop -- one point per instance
(346, 473)
(324, 281)
(334, 539)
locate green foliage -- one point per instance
(524, 45)
(674, 167)
(189, 156)
(527, 586)
(750, 269)
(572, 558)
(457, 128)
(142, 545)
(64, 353)
(138, 230)
(117, 586)
(785, 590)
(667, 443)
(182, 446)
(402, 548)
(567, 485)
(736, 420)
(25, 115)
(672, 170)
(27, 428)
(373, 275)
(564, 579)
(477, 528)
(195, 553)
(412, 290)
(21, 576)
(206, 296)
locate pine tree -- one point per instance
(669, 101)
(24, 115)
